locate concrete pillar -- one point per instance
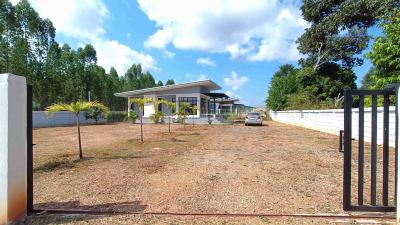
(398, 155)
(13, 148)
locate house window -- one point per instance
(162, 107)
(189, 100)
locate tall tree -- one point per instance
(338, 29)
(282, 84)
(170, 82)
(385, 53)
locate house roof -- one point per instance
(209, 84)
(216, 95)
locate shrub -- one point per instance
(209, 120)
(94, 114)
(132, 116)
(157, 117)
(116, 116)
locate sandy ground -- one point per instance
(275, 168)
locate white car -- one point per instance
(253, 118)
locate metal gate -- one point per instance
(368, 159)
(29, 149)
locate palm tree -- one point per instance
(194, 109)
(171, 108)
(141, 102)
(76, 108)
(183, 107)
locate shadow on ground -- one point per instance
(94, 211)
(119, 207)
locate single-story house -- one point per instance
(201, 93)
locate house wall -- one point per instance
(332, 121)
(181, 92)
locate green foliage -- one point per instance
(183, 112)
(283, 83)
(338, 29)
(59, 73)
(132, 116)
(170, 82)
(117, 116)
(232, 117)
(157, 117)
(385, 54)
(209, 120)
(94, 114)
(76, 108)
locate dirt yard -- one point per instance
(275, 168)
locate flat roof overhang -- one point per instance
(216, 95)
(209, 84)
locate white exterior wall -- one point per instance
(332, 121)
(13, 147)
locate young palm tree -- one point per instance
(194, 109)
(76, 108)
(141, 102)
(183, 107)
(171, 108)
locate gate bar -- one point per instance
(361, 151)
(373, 148)
(385, 158)
(348, 100)
(29, 148)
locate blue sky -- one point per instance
(238, 46)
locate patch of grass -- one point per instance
(53, 165)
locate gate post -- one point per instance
(397, 88)
(13, 145)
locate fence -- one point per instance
(63, 118)
(332, 121)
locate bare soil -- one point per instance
(275, 168)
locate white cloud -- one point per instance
(167, 54)
(112, 53)
(231, 94)
(256, 30)
(234, 81)
(202, 77)
(205, 61)
(86, 21)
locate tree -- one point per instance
(282, 84)
(385, 53)
(141, 102)
(171, 109)
(158, 115)
(193, 109)
(160, 83)
(170, 82)
(338, 29)
(183, 112)
(94, 113)
(76, 108)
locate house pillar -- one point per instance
(13, 148)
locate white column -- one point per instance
(13, 151)
(398, 156)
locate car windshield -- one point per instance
(253, 114)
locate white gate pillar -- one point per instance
(13, 148)
(398, 155)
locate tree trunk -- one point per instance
(141, 125)
(193, 120)
(169, 124)
(79, 138)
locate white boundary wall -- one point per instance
(40, 119)
(332, 121)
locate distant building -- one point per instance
(201, 93)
